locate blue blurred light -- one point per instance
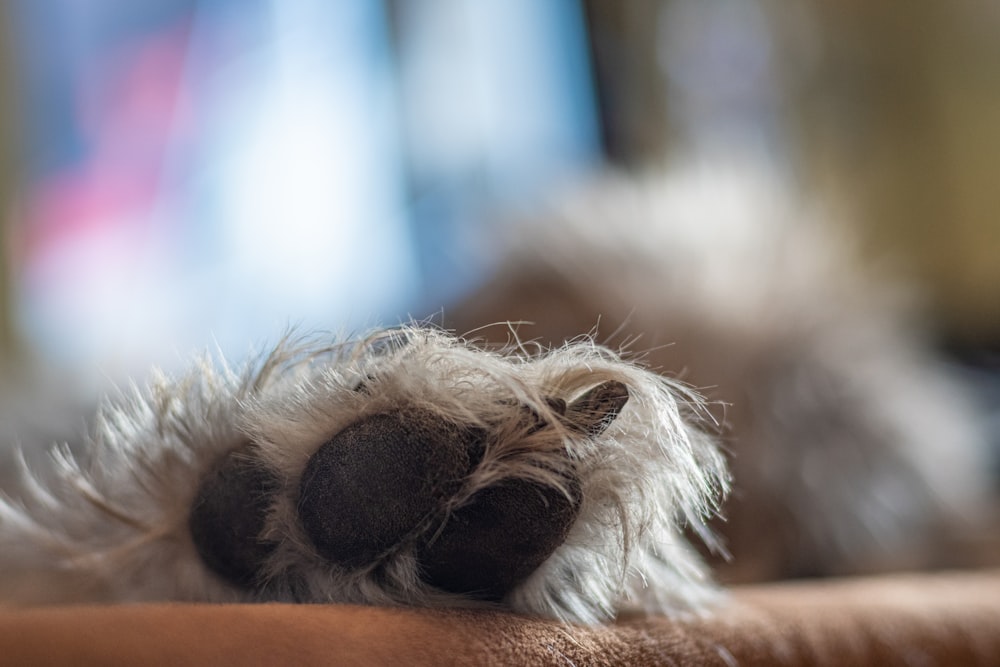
(215, 170)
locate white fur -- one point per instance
(113, 524)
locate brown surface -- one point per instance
(951, 619)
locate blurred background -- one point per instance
(183, 174)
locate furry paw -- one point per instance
(408, 467)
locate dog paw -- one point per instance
(409, 467)
(393, 479)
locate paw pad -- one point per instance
(384, 483)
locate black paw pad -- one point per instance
(593, 412)
(498, 539)
(493, 543)
(228, 516)
(379, 479)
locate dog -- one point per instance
(557, 477)
(406, 467)
(853, 448)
